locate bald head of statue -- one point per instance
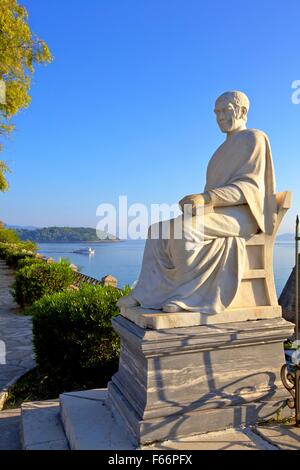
(231, 111)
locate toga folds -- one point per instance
(203, 270)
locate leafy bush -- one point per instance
(14, 257)
(37, 279)
(29, 261)
(8, 236)
(73, 336)
(3, 249)
(13, 252)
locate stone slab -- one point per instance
(10, 430)
(98, 394)
(41, 426)
(61, 444)
(230, 439)
(89, 425)
(158, 320)
(284, 437)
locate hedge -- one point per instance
(36, 279)
(72, 332)
(13, 252)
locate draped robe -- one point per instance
(203, 270)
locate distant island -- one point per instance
(83, 235)
(65, 235)
(285, 237)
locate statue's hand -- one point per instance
(194, 201)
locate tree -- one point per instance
(20, 50)
(8, 236)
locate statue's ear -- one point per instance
(243, 112)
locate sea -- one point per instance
(123, 259)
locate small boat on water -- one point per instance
(85, 251)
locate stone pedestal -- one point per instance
(183, 381)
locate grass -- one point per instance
(34, 386)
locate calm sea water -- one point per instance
(123, 260)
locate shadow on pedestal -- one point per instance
(184, 381)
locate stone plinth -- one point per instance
(158, 320)
(183, 381)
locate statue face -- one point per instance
(229, 116)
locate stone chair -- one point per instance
(257, 291)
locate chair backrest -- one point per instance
(284, 203)
(258, 277)
(284, 200)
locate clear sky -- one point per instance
(126, 108)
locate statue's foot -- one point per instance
(127, 301)
(171, 308)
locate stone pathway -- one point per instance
(16, 352)
(285, 437)
(10, 430)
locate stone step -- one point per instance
(83, 420)
(41, 426)
(89, 425)
(88, 422)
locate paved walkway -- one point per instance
(16, 353)
(10, 424)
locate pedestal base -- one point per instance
(158, 320)
(184, 381)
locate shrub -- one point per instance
(14, 257)
(3, 249)
(73, 336)
(29, 261)
(13, 252)
(8, 236)
(37, 279)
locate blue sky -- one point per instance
(126, 108)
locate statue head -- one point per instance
(231, 110)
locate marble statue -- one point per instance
(238, 201)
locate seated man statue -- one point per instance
(238, 201)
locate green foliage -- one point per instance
(33, 386)
(20, 50)
(14, 252)
(288, 344)
(73, 335)
(35, 280)
(3, 169)
(36, 386)
(29, 261)
(4, 247)
(14, 257)
(8, 235)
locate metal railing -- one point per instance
(83, 278)
(290, 374)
